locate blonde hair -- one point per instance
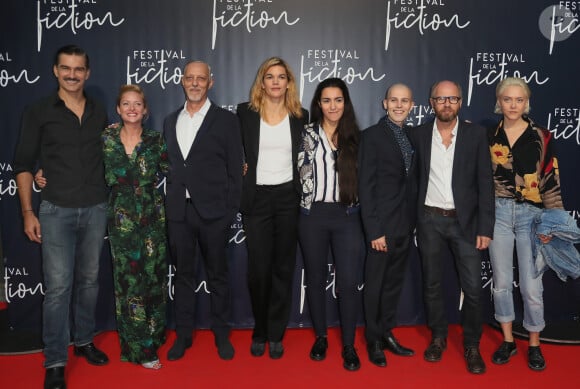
(257, 95)
(511, 81)
(131, 88)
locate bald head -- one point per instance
(398, 103)
(399, 87)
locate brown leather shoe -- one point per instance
(435, 350)
(474, 361)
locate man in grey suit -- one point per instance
(456, 209)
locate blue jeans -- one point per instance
(72, 239)
(513, 221)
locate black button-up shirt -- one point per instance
(69, 151)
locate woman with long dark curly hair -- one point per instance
(330, 218)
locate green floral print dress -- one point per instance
(138, 242)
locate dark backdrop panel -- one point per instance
(369, 43)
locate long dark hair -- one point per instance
(346, 138)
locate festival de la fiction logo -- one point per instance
(17, 284)
(489, 68)
(564, 123)
(248, 15)
(158, 66)
(419, 114)
(73, 15)
(11, 76)
(559, 22)
(421, 16)
(318, 64)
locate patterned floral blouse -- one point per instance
(527, 171)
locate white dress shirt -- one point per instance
(187, 127)
(439, 190)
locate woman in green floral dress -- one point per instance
(133, 158)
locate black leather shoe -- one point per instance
(376, 354)
(390, 343)
(503, 354)
(178, 349)
(536, 360)
(276, 350)
(225, 349)
(54, 378)
(93, 355)
(350, 358)
(257, 348)
(435, 350)
(475, 364)
(318, 351)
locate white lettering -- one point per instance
(248, 18)
(75, 20)
(411, 19)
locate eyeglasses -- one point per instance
(442, 99)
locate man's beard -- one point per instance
(446, 116)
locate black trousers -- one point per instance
(434, 233)
(271, 239)
(384, 277)
(329, 228)
(212, 238)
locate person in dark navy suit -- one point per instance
(387, 194)
(204, 186)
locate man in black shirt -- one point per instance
(62, 132)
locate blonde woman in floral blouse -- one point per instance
(526, 180)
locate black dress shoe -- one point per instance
(93, 355)
(390, 343)
(474, 361)
(503, 354)
(536, 360)
(54, 378)
(257, 348)
(376, 354)
(350, 358)
(178, 349)
(318, 351)
(435, 350)
(276, 350)
(225, 348)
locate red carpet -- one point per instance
(201, 367)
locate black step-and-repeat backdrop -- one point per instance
(369, 43)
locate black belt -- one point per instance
(285, 185)
(441, 211)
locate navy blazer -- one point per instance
(387, 194)
(212, 171)
(472, 182)
(250, 129)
